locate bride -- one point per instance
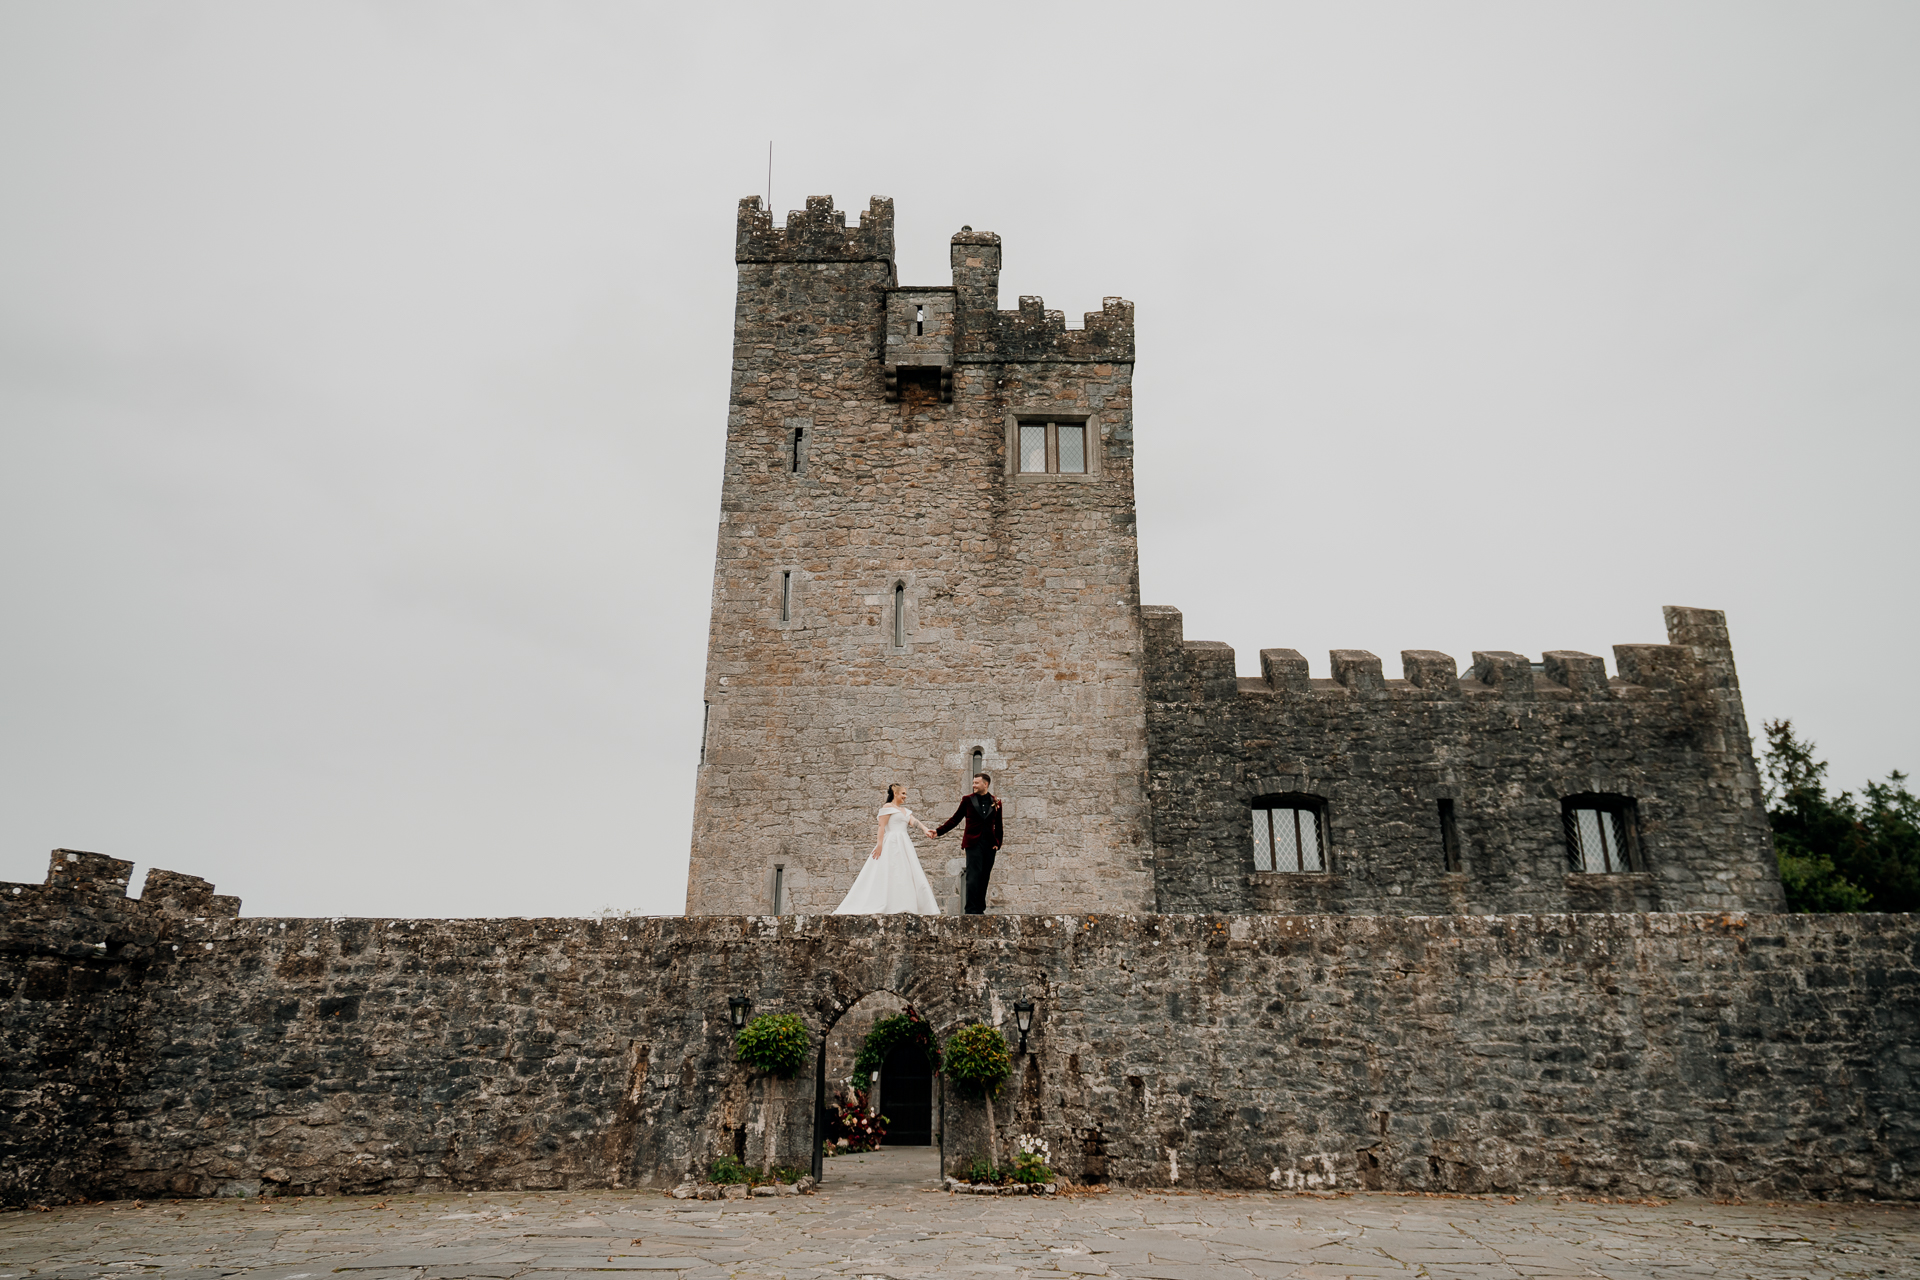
(892, 881)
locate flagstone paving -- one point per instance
(880, 1217)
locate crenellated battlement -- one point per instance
(1032, 332)
(817, 233)
(92, 883)
(1182, 670)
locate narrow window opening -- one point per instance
(780, 889)
(786, 595)
(978, 765)
(899, 615)
(1449, 837)
(799, 444)
(919, 321)
(706, 721)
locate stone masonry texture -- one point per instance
(1503, 743)
(867, 464)
(150, 1051)
(892, 593)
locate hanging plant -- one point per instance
(977, 1060)
(888, 1032)
(775, 1043)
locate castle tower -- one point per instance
(926, 565)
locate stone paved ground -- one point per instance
(880, 1218)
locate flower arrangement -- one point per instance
(852, 1126)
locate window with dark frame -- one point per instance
(1449, 837)
(1289, 833)
(1603, 835)
(1052, 448)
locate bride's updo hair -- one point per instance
(891, 788)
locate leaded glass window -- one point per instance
(1073, 448)
(1289, 834)
(1056, 448)
(1601, 834)
(1033, 446)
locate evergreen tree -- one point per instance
(1838, 853)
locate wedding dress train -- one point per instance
(892, 882)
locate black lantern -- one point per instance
(1023, 1018)
(737, 1007)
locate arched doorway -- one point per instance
(904, 1089)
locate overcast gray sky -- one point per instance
(363, 375)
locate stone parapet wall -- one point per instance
(1503, 743)
(1761, 1055)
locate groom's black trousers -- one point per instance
(979, 870)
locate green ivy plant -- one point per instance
(977, 1060)
(775, 1043)
(888, 1032)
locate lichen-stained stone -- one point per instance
(1499, 747)
(869, 473)
(1634, 1053)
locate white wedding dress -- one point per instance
(892, 882)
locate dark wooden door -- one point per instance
(906, 1097)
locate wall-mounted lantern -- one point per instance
(1023, 1018)
(738, 1007)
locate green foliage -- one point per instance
(886, 1033)
(981, 1172)
(773, 1042)
(727, 1169)
(1839, 853)
(977, 1060)
(1029, 1167)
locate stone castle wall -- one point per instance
(151, 1050)
(867, 448)
(1503, 743)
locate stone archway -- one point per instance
(833, 1059)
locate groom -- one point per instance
(981, 840)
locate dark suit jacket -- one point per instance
(982, 827)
